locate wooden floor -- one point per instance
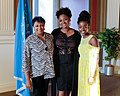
(11, 93)
(110, 86)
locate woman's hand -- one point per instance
(28, 81)
(29, 84)
(91, 80)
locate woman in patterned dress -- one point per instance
(88, 70)
(38, 58)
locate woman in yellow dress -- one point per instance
(88, 70)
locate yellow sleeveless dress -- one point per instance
(87, 65)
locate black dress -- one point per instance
(66, 60)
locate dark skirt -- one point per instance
(64, 80)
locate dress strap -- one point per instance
(88, 38)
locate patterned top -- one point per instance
(38, 56)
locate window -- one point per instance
(45, 9)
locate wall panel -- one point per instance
(7, 82)
(6, 17)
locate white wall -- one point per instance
(113, 13)
(7, 82)
(112, 21)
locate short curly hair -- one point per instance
(39, 19)
(66, 11)
(84, 16)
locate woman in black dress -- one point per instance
(66, 41)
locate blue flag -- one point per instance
(23, 30)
